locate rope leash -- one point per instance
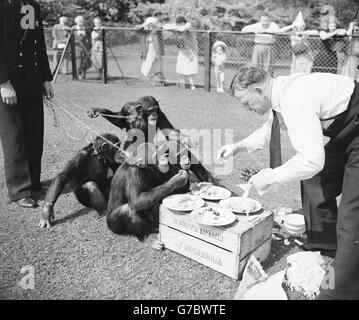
(54, 102)
(58, 124)
(57, 104)
(100, 113)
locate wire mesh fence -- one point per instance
(164, 57)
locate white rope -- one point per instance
(101, 114)
(58, 124)
(56, 103)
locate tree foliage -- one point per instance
(205, 14)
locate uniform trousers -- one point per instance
(21, 134)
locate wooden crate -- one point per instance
(224, 249)
(219, 259)
(241, 237)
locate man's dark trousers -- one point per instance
(21, 133)
(330, 227)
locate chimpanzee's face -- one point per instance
(152, 115)
(112, 153)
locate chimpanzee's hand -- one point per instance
(93, 113)
(47, 215)
(180, 179)
(188, 142)
(158, 245)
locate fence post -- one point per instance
(104, 56)
(73, 56)
(207, 62)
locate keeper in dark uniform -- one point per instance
(25, 77)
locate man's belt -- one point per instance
(263, 44)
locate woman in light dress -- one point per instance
(152, 65)
(97, 46)
(82, 47)
(351, 60)
(303, 58)
(187, 58)
(60, 34)
(332, 41)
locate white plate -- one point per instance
(234, 204)
(177, 202)
(213, 193)
(206, 216)
(295, 220)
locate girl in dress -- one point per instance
(187, 58)
(218, 59)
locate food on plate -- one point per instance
(186, 202)
(183, 202)
(213, 216)
(209, 191)
(241, 205)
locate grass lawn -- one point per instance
(79, 258)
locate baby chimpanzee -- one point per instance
(88, 174)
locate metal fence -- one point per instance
(282, 54)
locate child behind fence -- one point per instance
(218, 59)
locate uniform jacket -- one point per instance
(23, 57)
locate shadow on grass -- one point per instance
(73, 216)
(277, 252)
(45, 186)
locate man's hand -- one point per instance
(49, 90)
(226, 151)
(262, 180)
(8, 94)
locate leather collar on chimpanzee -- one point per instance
(99, 153)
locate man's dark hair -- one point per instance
(246, 75)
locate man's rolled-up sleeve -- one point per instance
(259, 138)
(305, 133)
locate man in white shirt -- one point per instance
(262, 41)
(312, 106)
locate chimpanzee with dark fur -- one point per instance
(142, 114)
(88, 174)
(138, 188)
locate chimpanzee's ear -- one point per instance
(105, 147)
(140, 163)
(138, 109)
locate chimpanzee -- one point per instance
(88, 174)
(138, 188)
(145, 114)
